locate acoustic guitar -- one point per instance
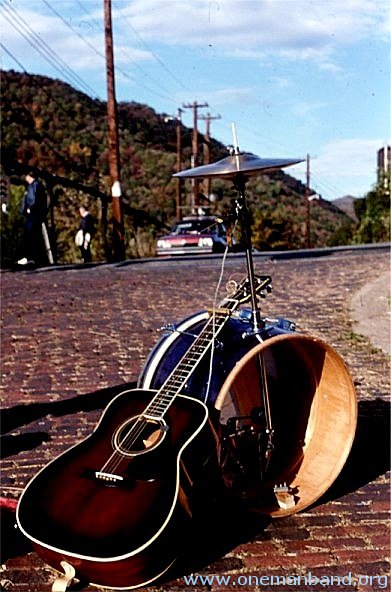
(115, 505)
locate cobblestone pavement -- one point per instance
(73, 337)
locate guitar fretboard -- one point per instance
(180, 375)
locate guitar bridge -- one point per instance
(108, 478)
(113, 480)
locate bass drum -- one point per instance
(278, 458)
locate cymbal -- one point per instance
(231, 166)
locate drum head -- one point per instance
(313, 412)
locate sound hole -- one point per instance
(139, 435)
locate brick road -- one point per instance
(72, 337)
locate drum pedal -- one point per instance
(284, 496)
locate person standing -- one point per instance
(85, 233)
(34, 208)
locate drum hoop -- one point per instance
(165, 345)
(267, 343)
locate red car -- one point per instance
(206, 234)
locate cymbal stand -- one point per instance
(243, 216)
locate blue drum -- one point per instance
(236, 339)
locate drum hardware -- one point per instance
(238, 167)
(245, 315)
(284, 324)
(62, 582)
(243, 217)
(266, 405)
(241, 451)
(237, 162)
(171, 328)
(284, 496)
(247, 449)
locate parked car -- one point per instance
(206, 234)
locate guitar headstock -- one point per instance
(239, 293)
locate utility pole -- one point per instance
(307, 197)
(208, 118)
(178, 120)
(179, 162)
(195, 106)
(114, 162)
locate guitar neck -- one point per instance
(180, 375)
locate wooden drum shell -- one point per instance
(313, 410)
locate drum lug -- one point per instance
(171, 328)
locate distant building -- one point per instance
(384, 165)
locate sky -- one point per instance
(294, 77)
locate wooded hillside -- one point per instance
(49, 125)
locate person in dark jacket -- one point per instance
(85, 233)
(34, 207)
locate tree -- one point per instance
(373, 212)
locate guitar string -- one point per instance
(139, 425)
(131, 437)
(137, 428)
(222, 270)
(212, 350)
(128, 438)
(116, 457)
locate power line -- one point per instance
(325, 186)
(58, 15)
(13, 57)
(99, 53)
(98, 26)
(31, 42)
(23, 28)
(154, 54)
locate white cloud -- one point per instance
(308, 110)
(80, 44)
(232, 95)
(243, 29)
(279, 82)
(343, 167)
(353, 157)
(298, 30)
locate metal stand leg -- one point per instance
(243, 216)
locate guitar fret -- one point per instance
(174, 383)
(203, 342)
